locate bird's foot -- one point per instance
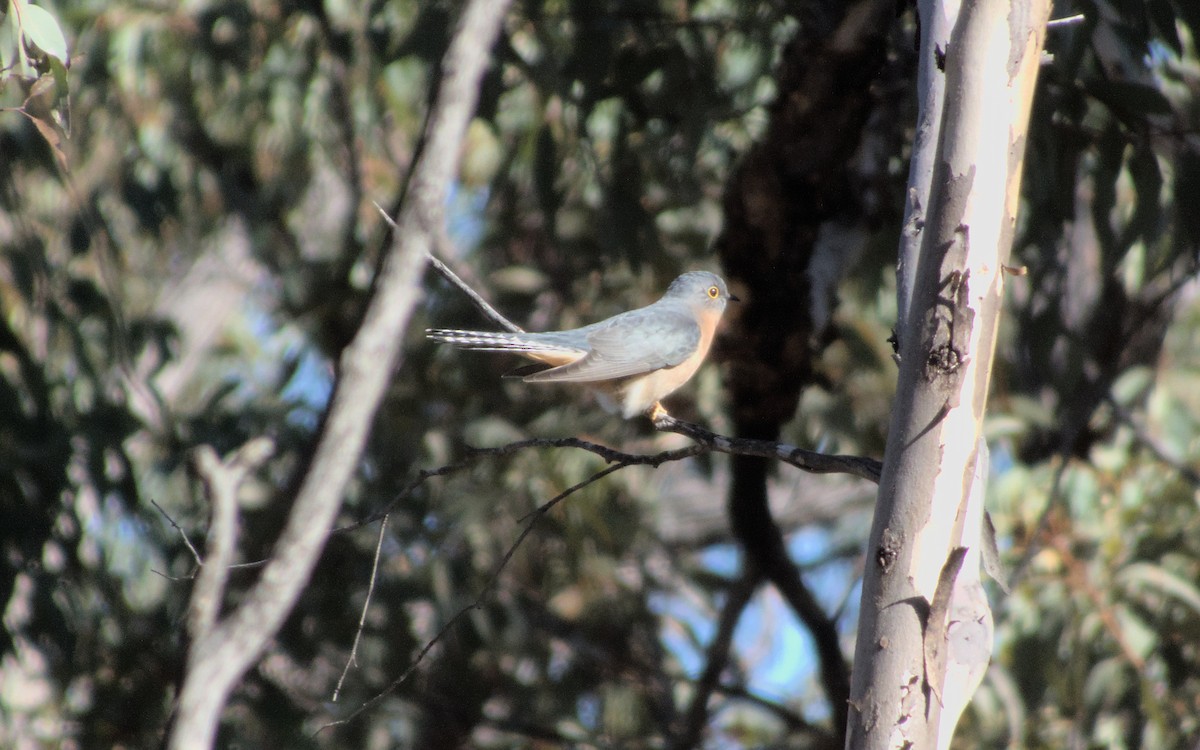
(657, 412)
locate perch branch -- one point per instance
(806, 460)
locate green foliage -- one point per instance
(33, 53)
(189, 268)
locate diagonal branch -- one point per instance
(477, 603)
(738, 597)
(352, 659)
(444, 246)
(474, 455)
(218, 660)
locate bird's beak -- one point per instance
(734, 298)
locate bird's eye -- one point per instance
(714, 292)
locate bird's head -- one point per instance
(701, 289)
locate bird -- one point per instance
(641, 355)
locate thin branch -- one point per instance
(445, 247)
(810, 461)
(195, 555)
(182, 533)
(474, 455)
(706, 441)
(221, 480)
(1156, 448)
(696, 718)
(483, 305)
(477, 603)
(362, 619)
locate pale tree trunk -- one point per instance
(925, 630)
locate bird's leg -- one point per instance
(657, 412)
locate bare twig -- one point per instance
(443, 244)
(811, 461)
(195, 555)
(362, 619)
(475, 454)
(483, 305)
(477, 603)
(182, 533)
(706, 441)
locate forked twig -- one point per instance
(477, 603)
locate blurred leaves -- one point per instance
(194, 280)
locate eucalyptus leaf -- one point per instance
(40, 28)
(1145, 574)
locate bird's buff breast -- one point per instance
(638, 394)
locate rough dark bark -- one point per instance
(792, 182)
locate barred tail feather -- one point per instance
(494, 341)
(474, 339)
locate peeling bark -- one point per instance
(923, 622)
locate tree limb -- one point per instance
(222, 480)
(738, 597)
(810, 461)
(218, 660)
(352, 659)
(533, 518)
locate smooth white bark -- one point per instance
(915, 647)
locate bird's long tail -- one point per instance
(530, 344)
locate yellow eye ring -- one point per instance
(714, 292)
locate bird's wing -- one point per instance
(629, 344)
